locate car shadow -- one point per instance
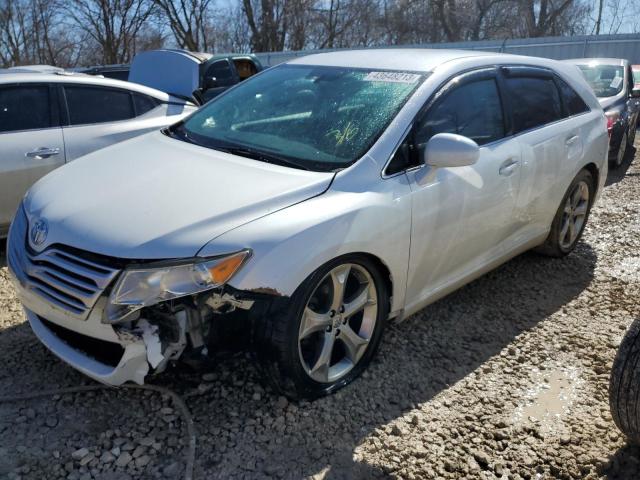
(418, 359)
(624, 464)
(617, 174)
(3, 253)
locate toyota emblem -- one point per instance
(39, 232)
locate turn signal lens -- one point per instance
(223, 271)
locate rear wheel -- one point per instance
(624, 385)
(571, 217)
(330, 331)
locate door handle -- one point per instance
(42, 152)
(571, 140)
(508, 167)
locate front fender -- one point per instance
(290, 244)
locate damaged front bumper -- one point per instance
(108, 354)
(128, 352)
(111, 354)
(132, 366)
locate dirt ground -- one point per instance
(506, 378)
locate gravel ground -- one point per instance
(506, 378)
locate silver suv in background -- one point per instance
(49, 119)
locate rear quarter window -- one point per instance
(89, 105)
(573, 102)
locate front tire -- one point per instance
(624, 385)
(329, 331)
(571, 217)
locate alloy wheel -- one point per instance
(574, 214)
(338, 323)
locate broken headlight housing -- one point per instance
(143, 286)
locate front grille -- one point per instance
(63, 278)
(109, 353)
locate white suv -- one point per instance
(49, 119)
(304, 208)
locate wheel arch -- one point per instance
(595, 173)
(382, 267)
(379, 264)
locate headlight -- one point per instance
(141, 287)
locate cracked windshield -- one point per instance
(327, 119)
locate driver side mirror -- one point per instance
(450, 150)
(210, 82)
(635, 93)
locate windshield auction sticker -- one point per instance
(394, 77)
(615, 83)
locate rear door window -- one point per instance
(24, 107)
(535, 102)
(88, 105)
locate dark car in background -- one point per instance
(612, 81)
(117, 72)
(192, 75)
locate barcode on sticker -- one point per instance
(395, 77)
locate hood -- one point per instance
(154, 197)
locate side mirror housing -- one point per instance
(450, 150)
(635, 93)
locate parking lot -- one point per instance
(506, 378)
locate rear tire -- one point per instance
(321, 342)
(571, 217)
(624, 385)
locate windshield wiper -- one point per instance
(262, 156)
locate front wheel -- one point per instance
(571, 217)
(330, 331)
